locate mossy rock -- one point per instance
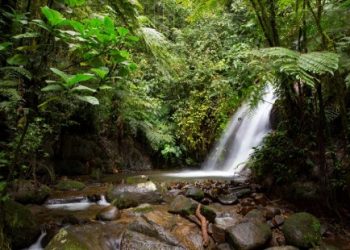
(20, 226)
(195, 193)
(28, 192)
(67, 185)
(66, 241)
(185, 206)
(302, 230)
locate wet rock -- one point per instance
(125, 196)
(270, 212)
(195, 193)
(147, 227)
(255, 215)
(185, 206)
(174, 229)
(221, 224)
(249, 235)
(282, 248)
(20, 226)
(133, 240)
(228, 199)
(108, 214)
(68, 185)
(29, 192)
(277, 221)
(302, 230)
(88, 237)
(242, 192)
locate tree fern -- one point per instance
(304, 67)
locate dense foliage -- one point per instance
(159, 80)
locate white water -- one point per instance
(78, 205)
(37, 245)
(245, 131)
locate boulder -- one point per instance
(302, 230)
(228, 199)
(249, 235)
(185, 206)
(195, 193)
(88, 237)
(69, 185)
(20, 226)
(221, 224)
(108, 214)
(255, 215)
(125, 196)
(29, 192)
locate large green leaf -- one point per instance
(101, 72)
(79, 78)
(4, 46)
(17, 59)
(53, 16)
(61, 74)
(27, 35)
(83, 88)
(89, 99)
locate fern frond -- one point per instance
(319, 62)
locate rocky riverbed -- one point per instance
(138, 213)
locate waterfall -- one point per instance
(245, 131)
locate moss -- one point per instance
(143, 209)
(65, 241)
(302, 230)
(66, 185)
(20, 226)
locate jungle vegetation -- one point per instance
(164, 77)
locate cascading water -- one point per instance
(245, 131)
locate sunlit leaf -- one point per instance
(89, 99)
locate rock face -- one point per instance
(67, 185)
(134, 240)
(302, 230)
(249, 235)
(108, 214)
(28, 192)
(185, 206)
(19, 225)
(125, 196)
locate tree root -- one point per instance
(204, 226)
